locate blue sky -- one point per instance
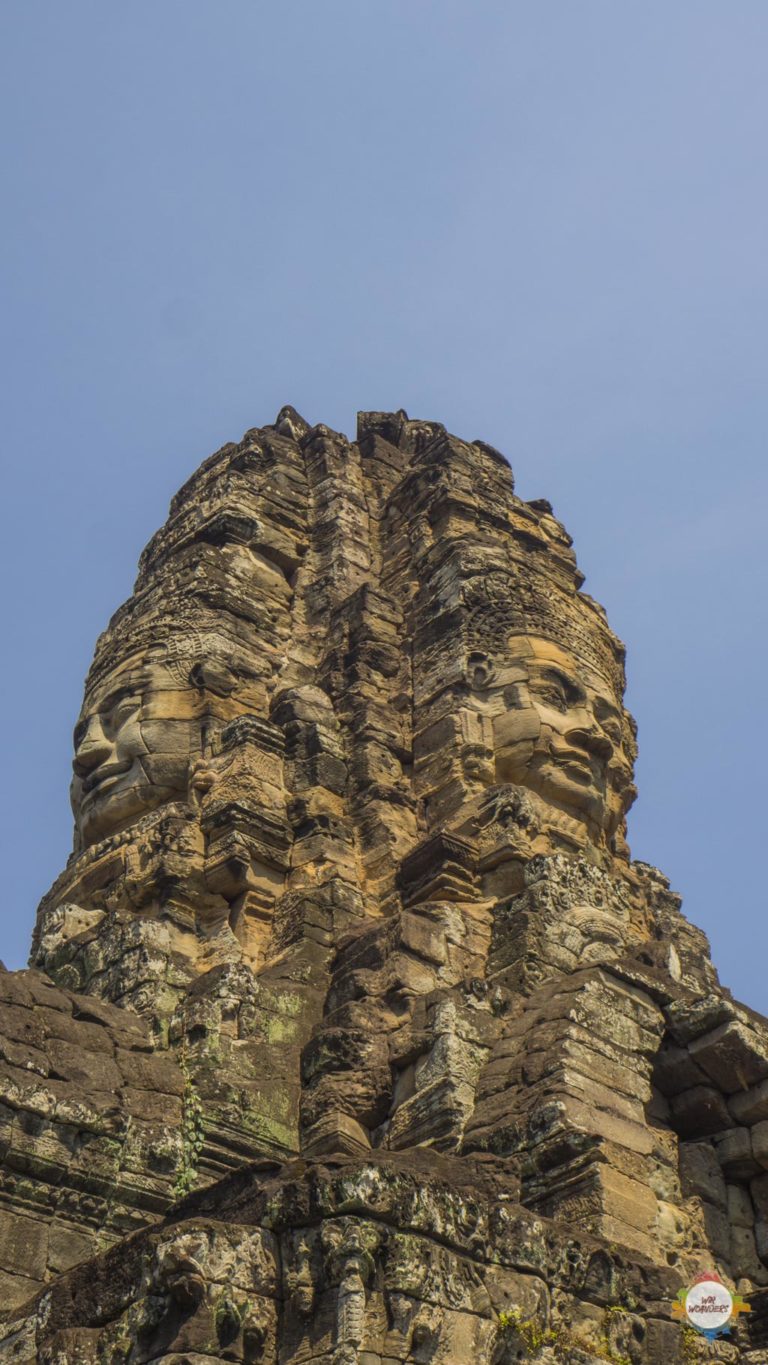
(543, 224)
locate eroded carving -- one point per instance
(352, 956)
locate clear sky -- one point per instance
(541, 223)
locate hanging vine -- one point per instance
(192, 1131)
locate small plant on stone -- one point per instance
(605, 1351)
(228, 1319)
(192, 1132)
(533, 1337)
(690, 1352)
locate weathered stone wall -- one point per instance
(351, 957)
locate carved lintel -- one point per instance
(441, 868)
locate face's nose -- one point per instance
(593, 741)
(92, 748)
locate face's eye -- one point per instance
(613, 730)
(610, 722)
(553, 694)
(125, 709)
(116, 715)
(123, 712)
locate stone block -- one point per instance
(740, 1209)
(23, 1245)
(662, 1342)
(744, 1258)
(674, 1070)
(690, 1019)
(423, 937)
(611, 1127)
(718, 1231)
(758, 1188)
(734, 1057)
(158, 1072)
(760, 1143)
(698, 1112)
(761, 1239)
(628, 1200)
(615, 1230)
(442, 868)
(68, 1246)
(336, 1132)
(93, 1071)
(21, 1343)
(750, 1106)
(734, 1152)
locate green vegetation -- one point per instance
(533, 1337)
(192, 1133)
(691, 1345)
(604, 1349)
(228, 1319)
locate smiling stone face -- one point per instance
(133, 744)
(142, 728)
(563, 734)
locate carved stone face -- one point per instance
(130, 753)
(138, 733)
(562, 734)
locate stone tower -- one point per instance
(352, 1034)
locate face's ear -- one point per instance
(211, 676)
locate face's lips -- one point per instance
(577, 763)
(107, 773)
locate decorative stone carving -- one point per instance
(353, 1034)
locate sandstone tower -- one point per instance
(352, 1034)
